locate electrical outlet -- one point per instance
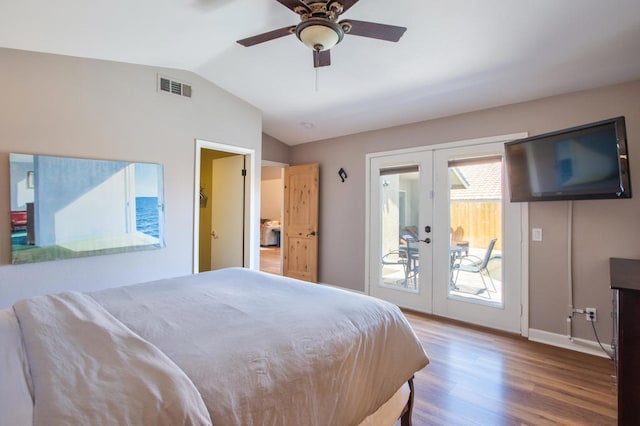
(590, 313)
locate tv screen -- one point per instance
(585, 162)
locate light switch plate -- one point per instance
(536, 234)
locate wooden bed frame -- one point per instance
(407, 412)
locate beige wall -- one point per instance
(602, 228)
(87, 108)
(274, 150)
(76, 107)
(271, 193)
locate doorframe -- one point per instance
(524, 238)
(251, 220)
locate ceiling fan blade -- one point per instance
(346, 4)
(261, 38)
(373, 30)
(321, 59)
(292, 4)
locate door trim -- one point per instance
(524, 260)
(252, 200)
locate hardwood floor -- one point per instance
(482, 377)
(270, 259)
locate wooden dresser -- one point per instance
(625, 281)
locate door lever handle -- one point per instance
(426, 240)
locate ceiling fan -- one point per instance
(320, 30)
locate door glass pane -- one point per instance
(400, 210)
(475, 198)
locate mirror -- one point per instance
(69, 207)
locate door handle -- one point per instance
(312, 234)
(427, 240)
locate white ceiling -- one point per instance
(456, 56)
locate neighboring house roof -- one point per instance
(482, 182)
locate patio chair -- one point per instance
(406, 255)
(410, 239)
(477, 265)
(457, 239)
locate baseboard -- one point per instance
(576, 344)
(344, 288)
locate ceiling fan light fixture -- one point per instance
(319, 34)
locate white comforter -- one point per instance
(89, 369)
(260, 349)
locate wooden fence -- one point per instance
(480, 220)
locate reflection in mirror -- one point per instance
(68, 207)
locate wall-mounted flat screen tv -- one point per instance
(584, 162)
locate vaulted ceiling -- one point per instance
(456, 56)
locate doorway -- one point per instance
(271, 216)
(442, 236)
(296, 233)
(241, 210)
(227, 236)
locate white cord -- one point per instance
(570, 267)
(317, 78)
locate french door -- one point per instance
(400, 246)
(443, 237)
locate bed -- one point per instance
(228, 347)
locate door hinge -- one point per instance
(244, 172)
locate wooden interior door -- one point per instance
(300, 227)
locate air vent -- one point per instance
(169, 85)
